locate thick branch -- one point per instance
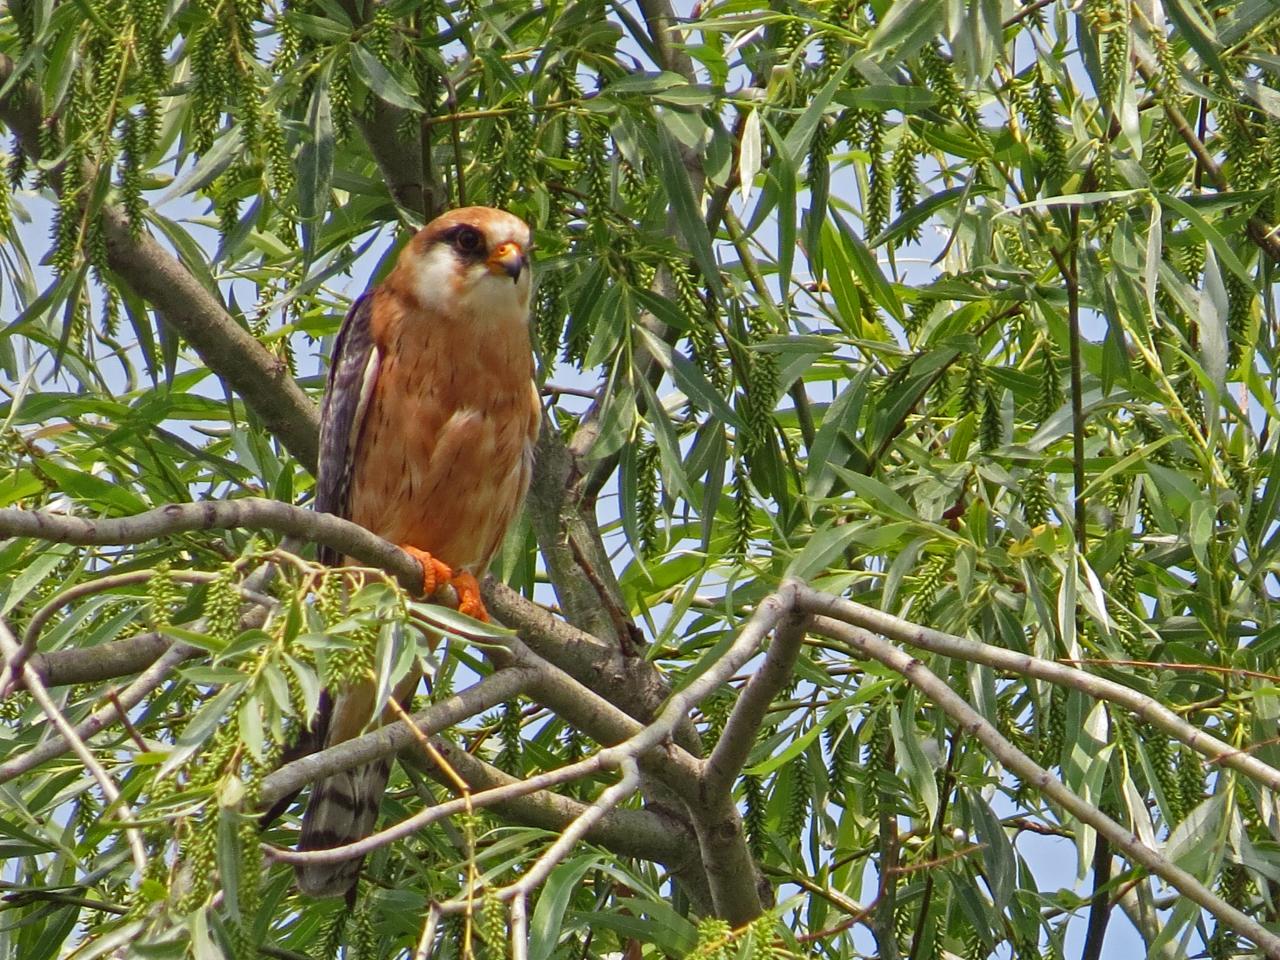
(739, 734)
(631, 683)
(187, 306)
(399, 161)
(248, 513)
(660, 18)
(394, 737)
(557, 515)
(104, 661)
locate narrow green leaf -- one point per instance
(685, 206)
(547, 918)
(315, 159)
(749, 153)
(382, 82)
(796, 144)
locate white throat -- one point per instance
(473, 293)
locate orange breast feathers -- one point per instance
(446, 453)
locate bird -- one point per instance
(427, 434)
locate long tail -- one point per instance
(343, 808)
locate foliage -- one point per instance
(966, 311)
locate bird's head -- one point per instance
(474, 261)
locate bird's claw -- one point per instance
(469, 602)
(434, 573)
(437, 575)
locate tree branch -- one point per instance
(9, 644)
(394, 737)
(1025, 665)
(116, 658)
(739, 734)
(660, 18)
(642, 834)
(194, 312)
(631, 683)
(31, 636)
(973, 724)
(248, 513)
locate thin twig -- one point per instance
(564, 844)
(31, 636)
(496, 688)
(9, 643)
(428, 933)
(975, 725)
(605, 759)
(1025, 665)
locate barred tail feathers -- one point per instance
(343, 808)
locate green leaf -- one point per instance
(547, 918)
(315, 159)
(45, 562)
(749, 151)
(922, 211)
(796, 145)
(675, 181)
(887, 96)
(1000, 865)
(224, 152)
(688, 377)
(1206, 230)
(1197, 33)
(383, 83)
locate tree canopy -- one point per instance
(898, 574)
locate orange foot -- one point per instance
(436, 575)
(469, 601)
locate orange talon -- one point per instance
(469, 601)
(434, 573)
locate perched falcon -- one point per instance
(426, 438)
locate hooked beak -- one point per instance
(507, 258)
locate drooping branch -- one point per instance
(143, 685)
(193, 311)
(975, 725)
(9, 645)
(1025, 665)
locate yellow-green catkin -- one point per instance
(714, 939)
(163, 596)
(762, 386)
(906, 179)
(743, 512)
(6, 200)
(492, 926)
(928, 581)
(648, 497)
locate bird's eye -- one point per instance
(468, 240)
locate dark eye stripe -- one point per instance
(462, 237)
